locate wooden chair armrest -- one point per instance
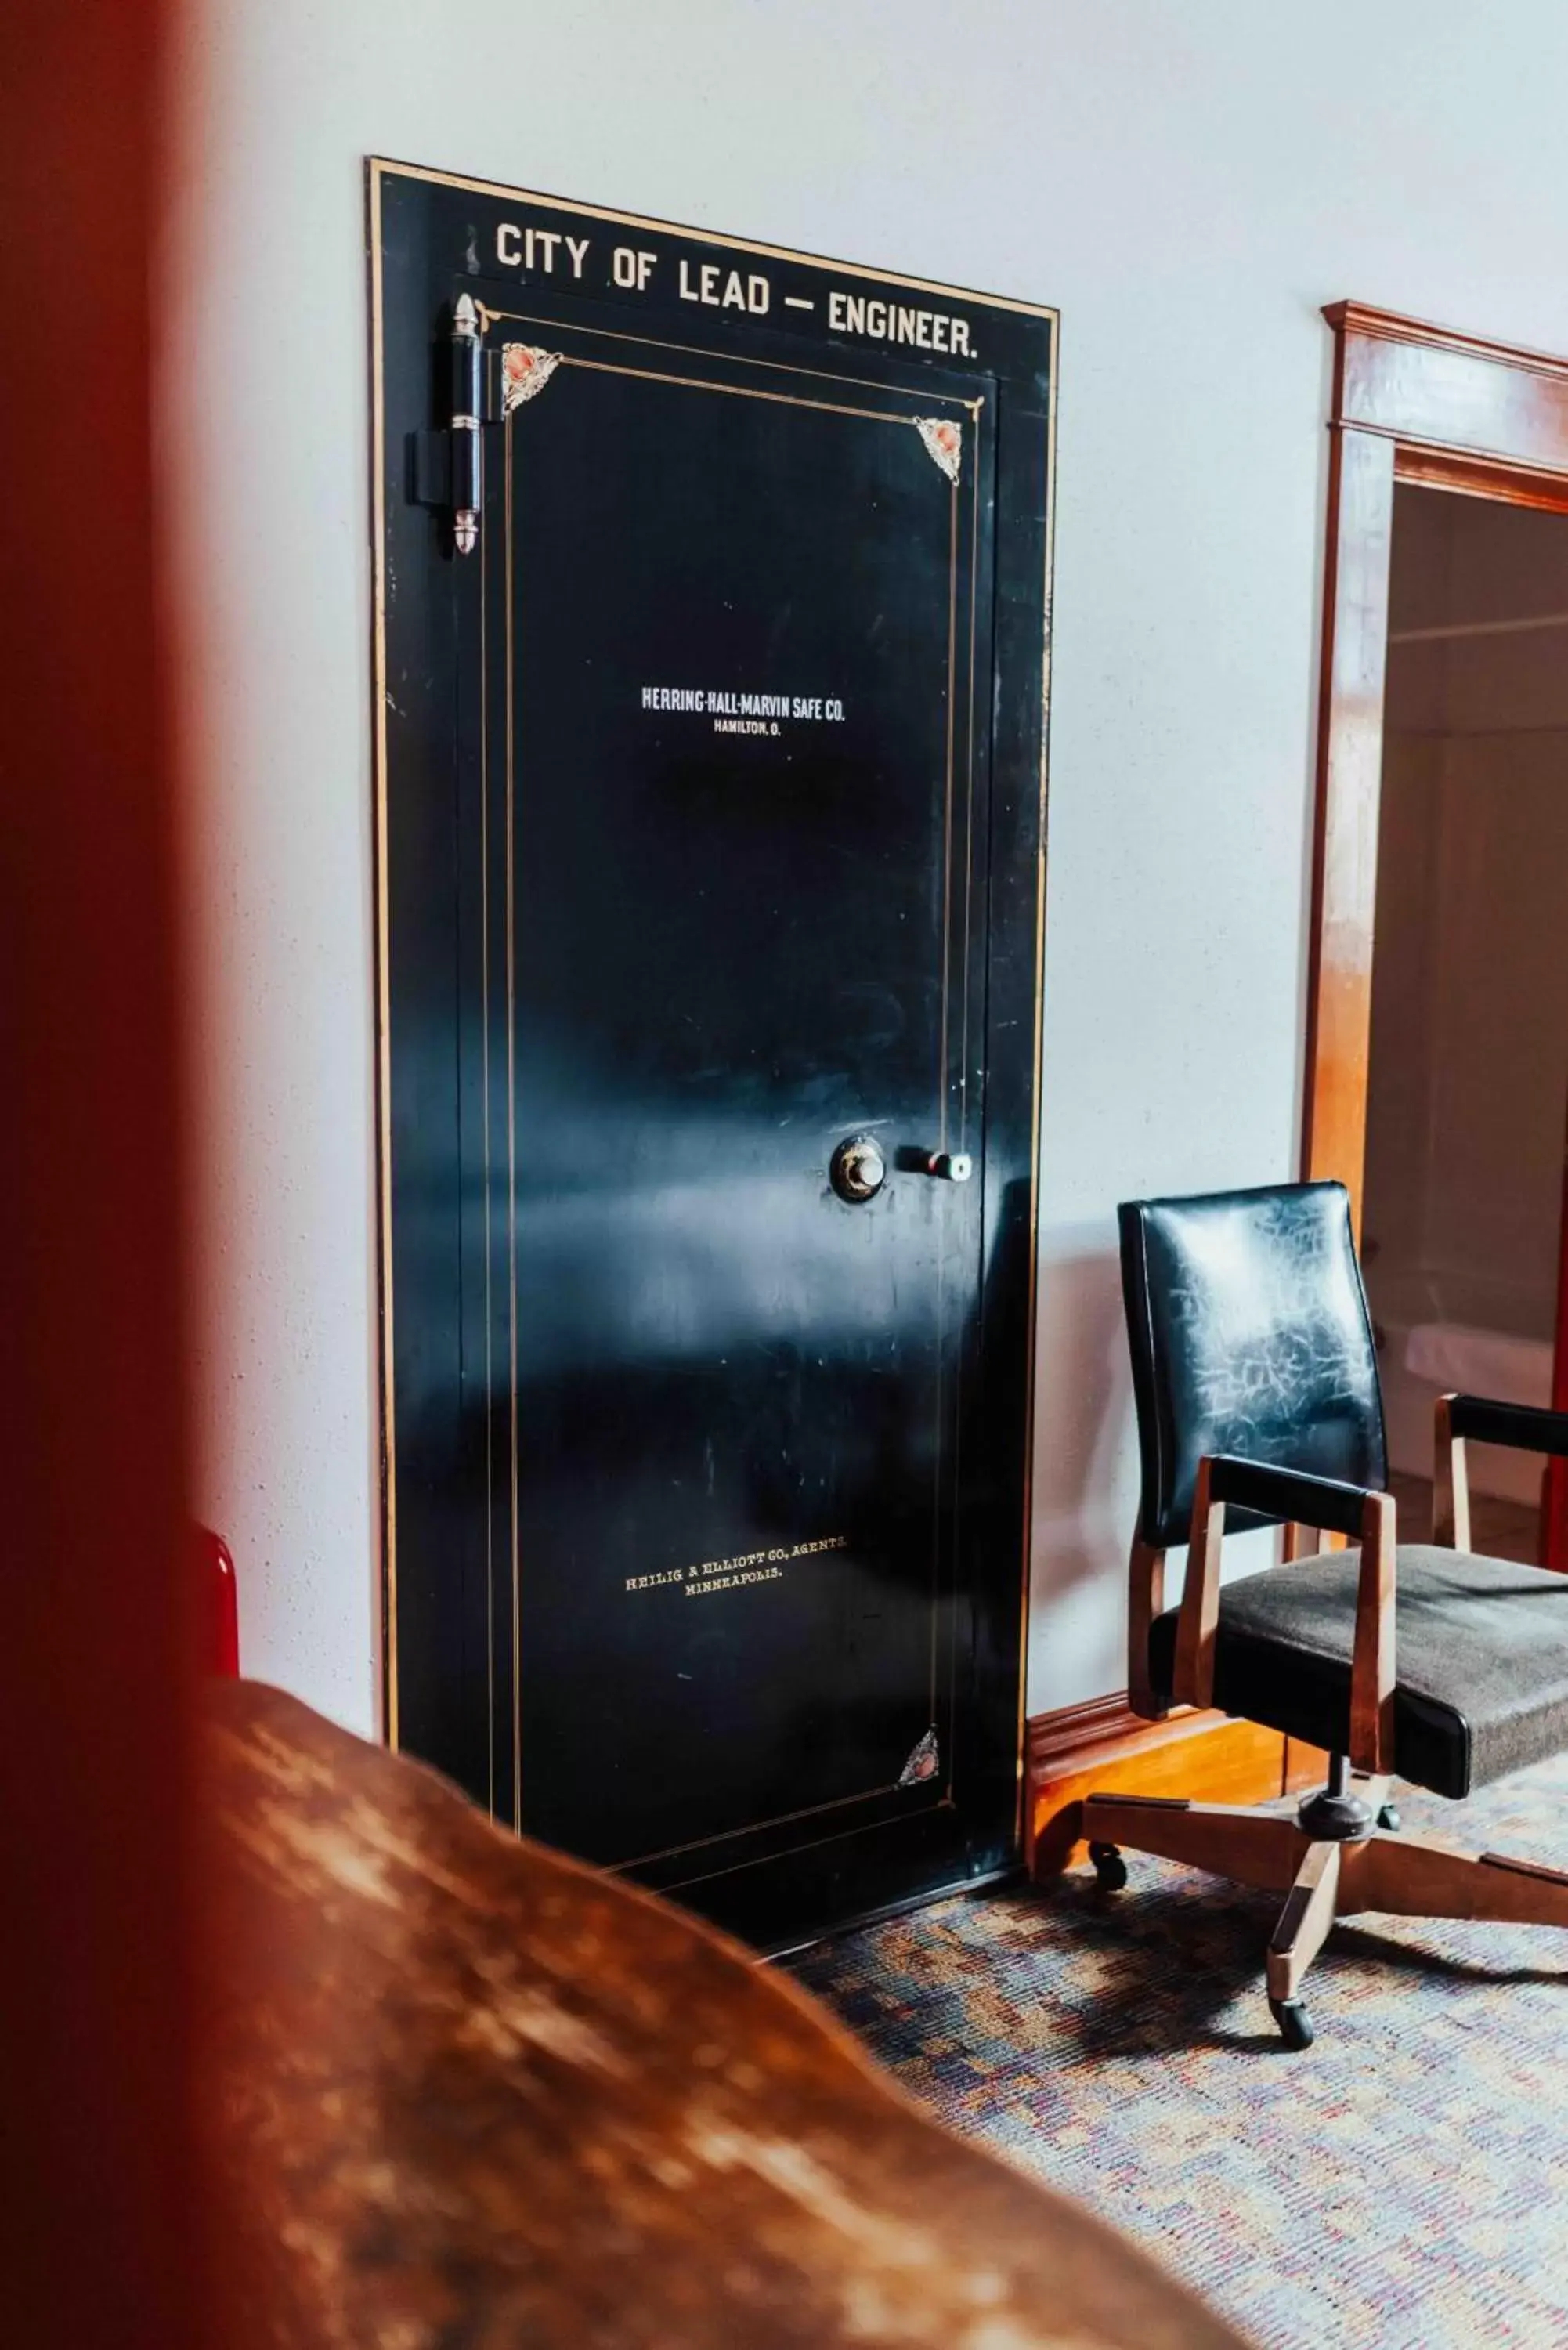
(1146, 1600)
(1524, 1428)
(1451, 1480)
(1372, 1667)
(1200, 1617)
(1369, 1517)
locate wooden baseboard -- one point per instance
(1102, 1747)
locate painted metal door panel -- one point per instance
(700, 1468)
(737, 939)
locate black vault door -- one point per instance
(732, 775)
(698, 1573)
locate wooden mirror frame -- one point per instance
(1419, 404)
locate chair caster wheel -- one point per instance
(1294, 2022)
(1388, 1817)
(1110, 1869)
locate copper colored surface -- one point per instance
(1417, 403)
(1349, 782)
(1203, 1758)
(472, 2094)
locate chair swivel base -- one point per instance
(1364, 1866)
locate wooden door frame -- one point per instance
(1421, 404)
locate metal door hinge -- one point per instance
(446, 468)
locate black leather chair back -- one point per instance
(1250, 1335)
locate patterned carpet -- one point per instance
(1403, 2185)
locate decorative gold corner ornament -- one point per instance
(943, 437)
(525, 371)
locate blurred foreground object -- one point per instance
(101, 2235)
(470, 2091)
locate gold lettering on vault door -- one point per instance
(712, 1575)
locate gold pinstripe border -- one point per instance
(862, 415)
(739, 391)
(387, 1447)
(744, 358)
(1035, 1143)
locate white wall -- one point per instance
(1189, 183)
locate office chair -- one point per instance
(1258, 1404)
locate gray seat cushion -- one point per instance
(1481, 1652)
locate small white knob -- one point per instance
(859, 1171)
